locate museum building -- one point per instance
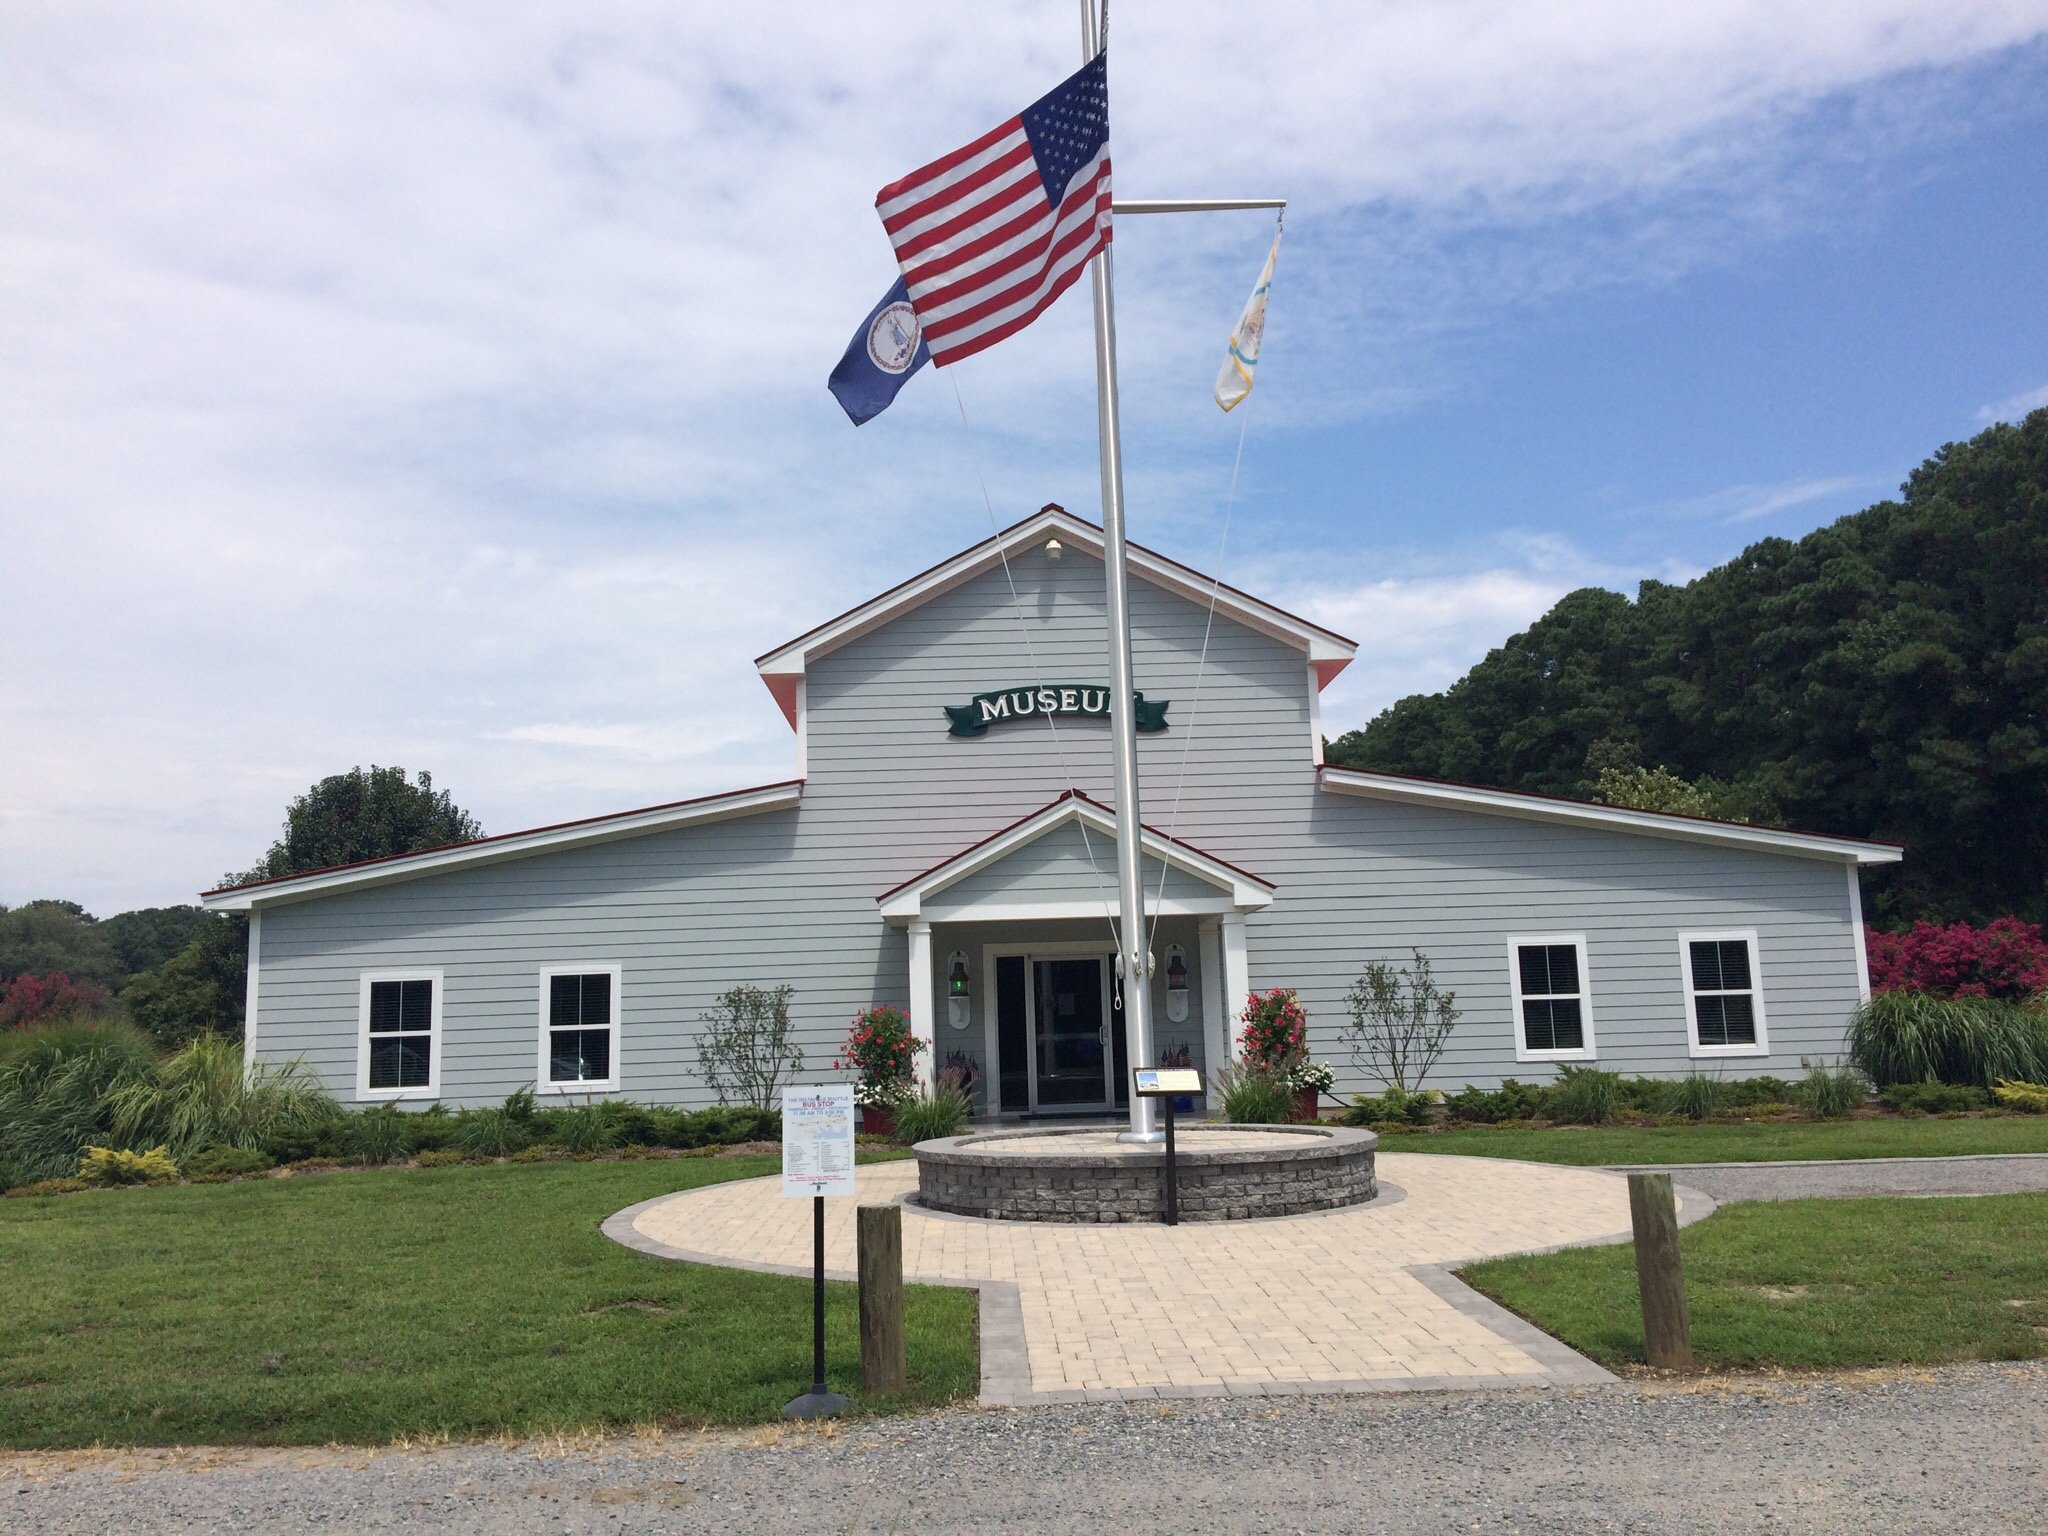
(946, 844)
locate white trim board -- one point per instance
(782, 668)
(435, 1036)
(906, 903)
(1587, 1050)
(1762, 1046)
(1609, 818)
(510, 845)
(579, 968)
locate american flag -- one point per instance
(991, 234)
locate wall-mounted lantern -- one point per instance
(958, 989)
(1176, 984)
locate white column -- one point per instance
(922, 1007)
(256, 970)
(1237, 983)
(1215, 1019)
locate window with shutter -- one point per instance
(1553, 1009)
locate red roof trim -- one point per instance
(501, 837)
(1060, 799)
(1601, 805)
(996, 538)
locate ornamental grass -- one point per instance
(1915, 1037)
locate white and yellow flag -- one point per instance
(1235, 381)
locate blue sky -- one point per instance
(445, 387)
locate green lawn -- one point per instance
(1813, 1284)
(1763, 1142)
(376, 1305)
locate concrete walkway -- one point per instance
(2003, 1173)
(1341, 1301)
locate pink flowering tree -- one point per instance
(2005, 958)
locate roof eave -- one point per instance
(510, 845)
(1328, 652)
(1612, 818)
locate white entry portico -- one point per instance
(1042, 890)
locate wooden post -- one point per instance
(1660, 1277)
(882, 1364)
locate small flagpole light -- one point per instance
(958, 989)
(1053, 551)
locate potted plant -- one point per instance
(880, 1048)
(1275, 1042)
(1309, 1080)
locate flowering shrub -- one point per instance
(881, 1049)
(1311, 1074)
(27, 999)
(2005, 958)
(1275, 1030)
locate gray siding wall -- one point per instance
(1068, 863)
(789, 896)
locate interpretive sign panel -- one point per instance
(817, 1140)
(1159, 1082)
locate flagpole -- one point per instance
(1132, 960)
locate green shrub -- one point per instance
(1751, 1092)
(216, 1165)
(931, 1115)
(41, 1187)
(1696, 1096)
(1647, 1096)
(1394, 1107)
(1933, 1098)
(581, 1129)
(1583, 1096)
(104, 1167)
(1481, 1106)
(538, 1153)
(202, 1096)
(496, 1132)
(1832, 1093)
(55, 1083)
(375, 1136)
(429, 1130)
(1252, 1097)
(438, 1157)
(1915, 1037)
(2027, 1098)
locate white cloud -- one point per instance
(443, 385)
(2013, 407)
(1747, 503)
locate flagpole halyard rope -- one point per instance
(1208, 629)
(1030, 652)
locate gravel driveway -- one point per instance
(1959, 1449)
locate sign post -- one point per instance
(1166, 1084)
(817, 1161)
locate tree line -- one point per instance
(178, 972)
(1885, 676)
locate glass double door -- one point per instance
(1073, 1055)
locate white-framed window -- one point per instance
(1724, 993)
(579, 1028)
(398, 1035)
(1553, 997)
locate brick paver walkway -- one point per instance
(1355, 1299)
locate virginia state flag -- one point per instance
(1235, 381)
(887, 349)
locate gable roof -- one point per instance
(506, 845)
(1612, 818)
(782, 668)
(903, 902)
